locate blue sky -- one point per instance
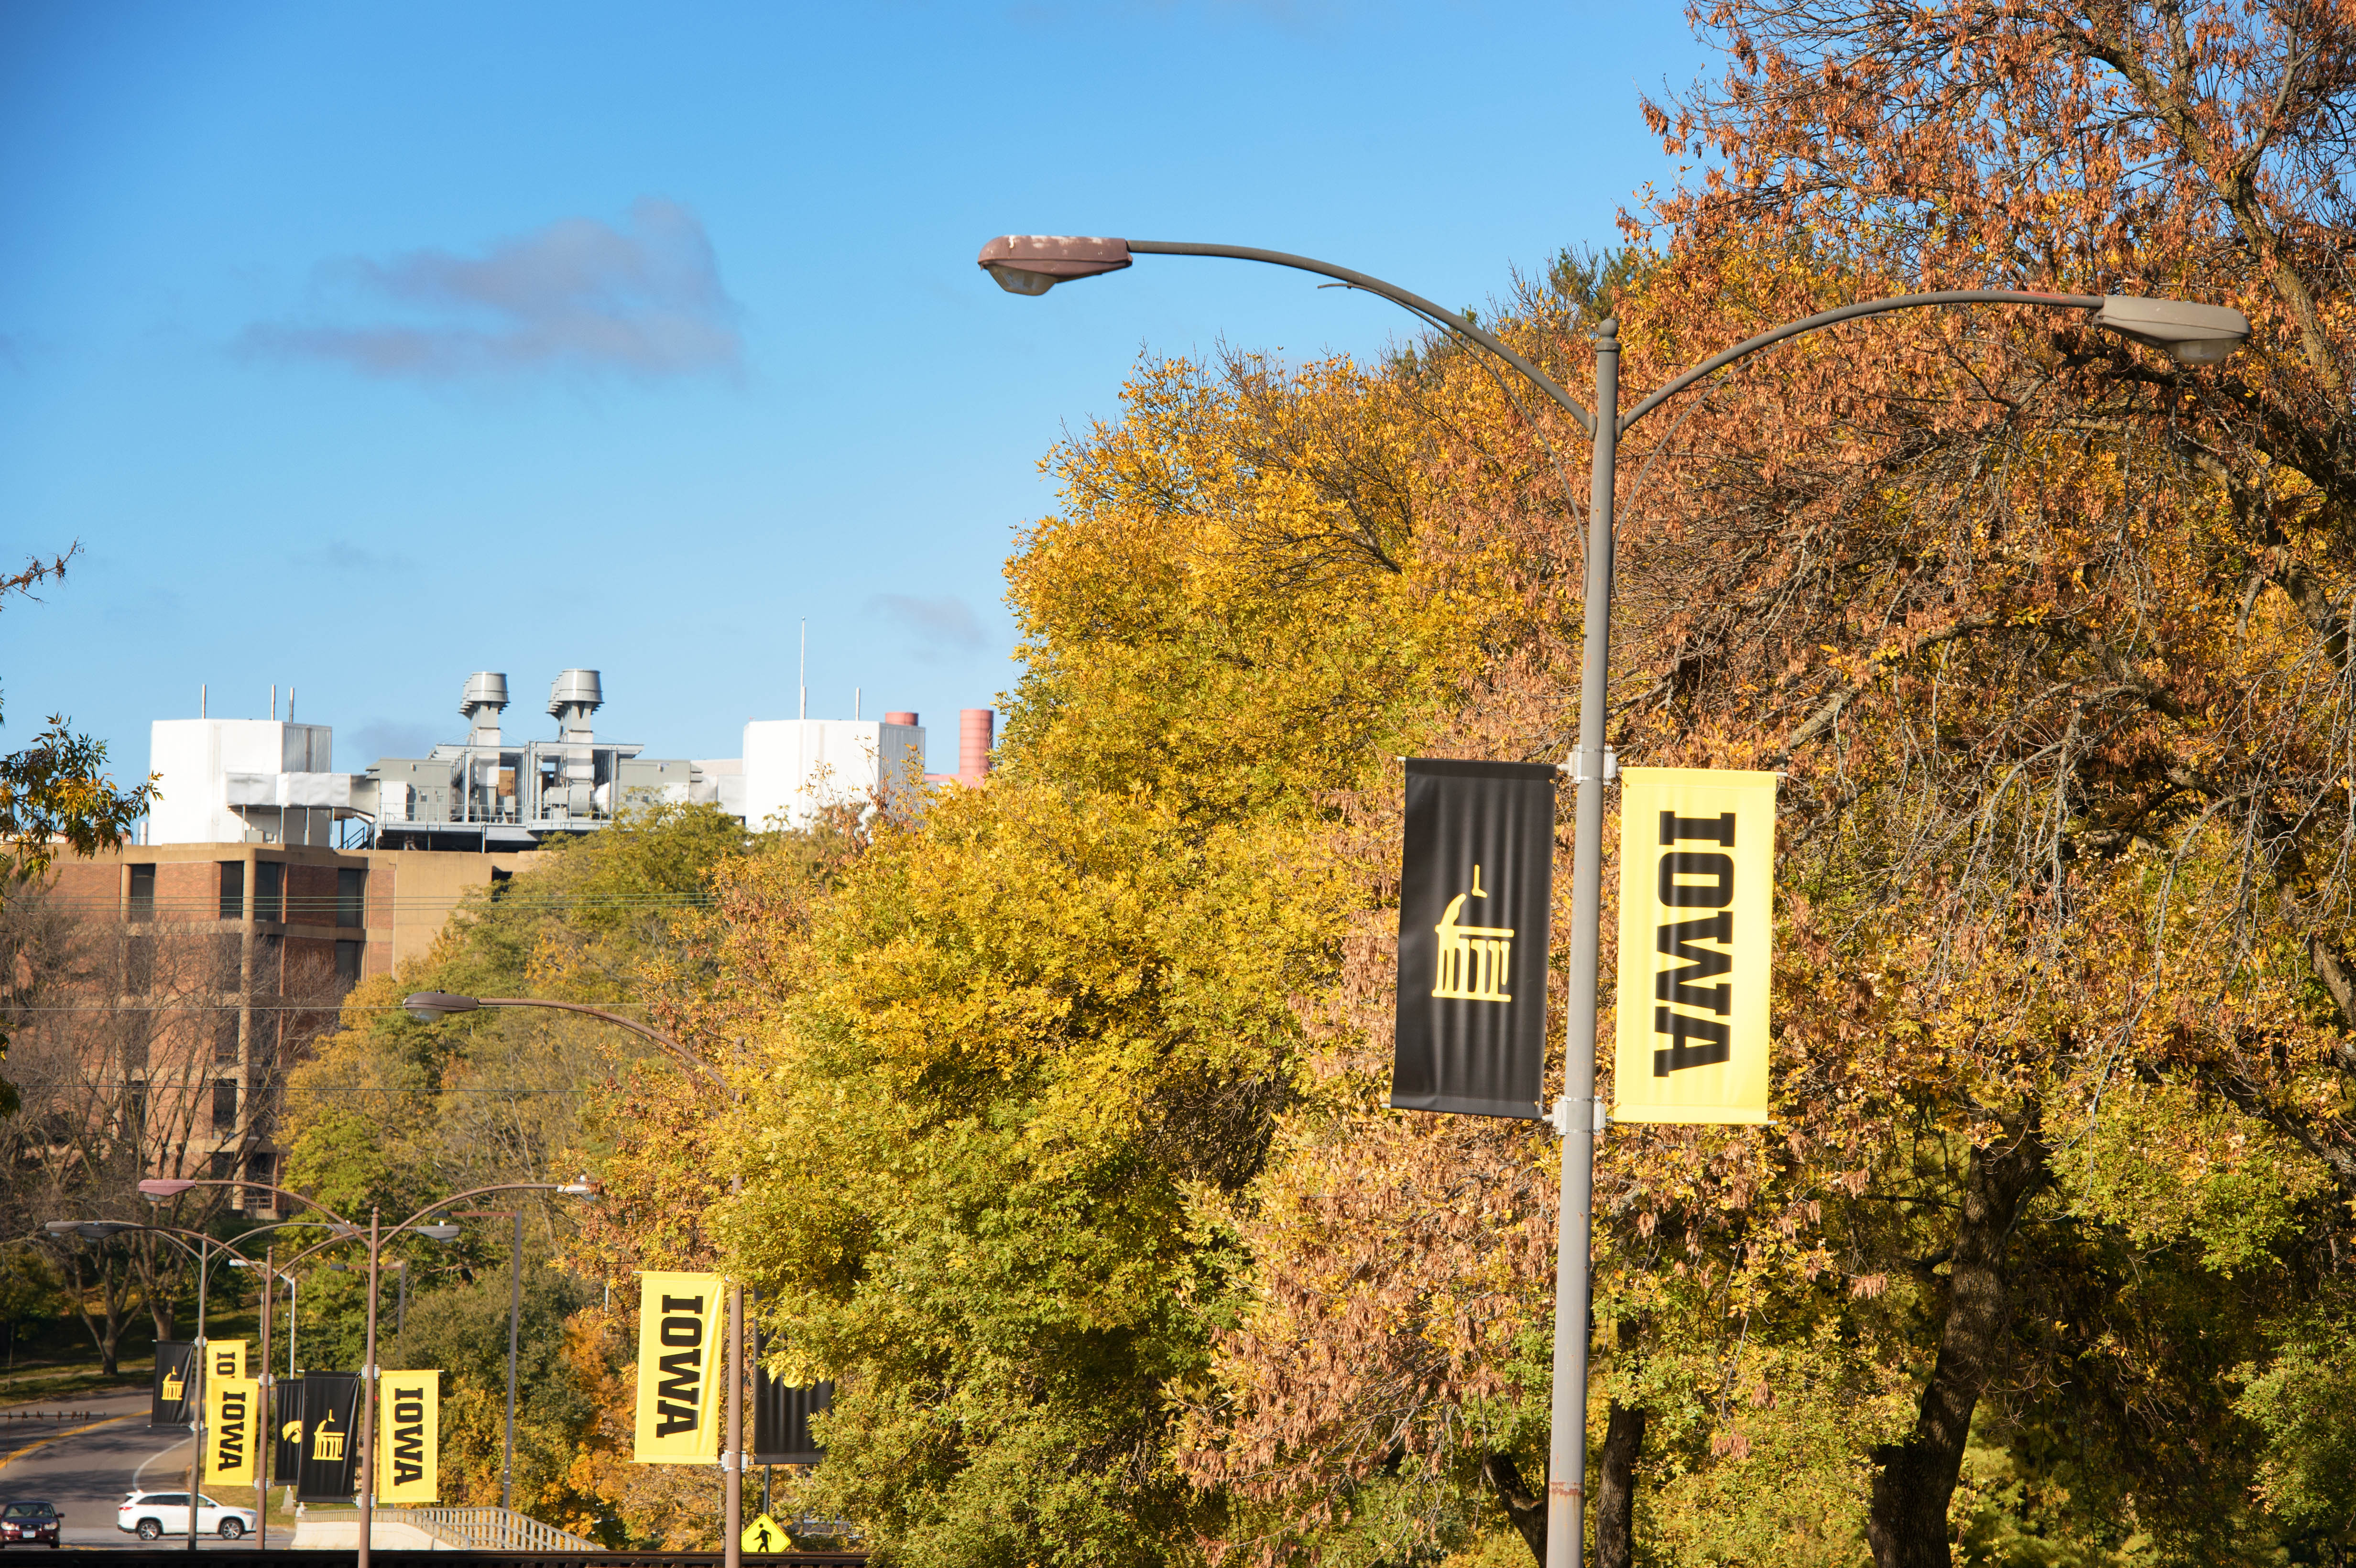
(362, 346)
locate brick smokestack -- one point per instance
(976, 729)
(907, 718)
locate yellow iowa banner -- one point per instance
(224, 1358)
(1697, 910)
(679, 1330)
(233, 1434)
(408, 1438)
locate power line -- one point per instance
(200, 1084)
(319, 905)
(9, 1012)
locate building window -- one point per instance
(134, 1108)
(138, 965)
(220, 1165)
(261, 1169)
(348, 964)
(136, 1028)
(232, 889)
(225, 1035)
(352, 897)
(224, 1104)
(270, 890)
(142, 892)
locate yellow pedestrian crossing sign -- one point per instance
(762, 1535)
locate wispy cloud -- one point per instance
(942, 626)
(644, 300)
(342, 555)
(386, 737)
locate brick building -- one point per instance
(198, 973)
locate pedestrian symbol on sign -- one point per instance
(762, 1535)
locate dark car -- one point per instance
(22, 1523)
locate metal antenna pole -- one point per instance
(1567, 1459)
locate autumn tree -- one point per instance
(2179, 682)
(55, 791)
(116, 1028)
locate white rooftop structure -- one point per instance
(796, 768)
(244, 781)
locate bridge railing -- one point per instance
(495, 1530)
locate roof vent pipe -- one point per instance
(486, 696)
(976, 726)
(571, 700)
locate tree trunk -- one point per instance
(1907, 1525)
(1615, 1488)
(1526, 1509)
(1614, 1510)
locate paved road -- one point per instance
(87, 1472)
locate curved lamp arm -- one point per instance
(1030, 263)
(431, 1006)
(158, 1189)
(568, 1188)
(2191, 333)
(1751, 346)
(164, 1188)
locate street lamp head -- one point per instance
(159, 1190)
(2188, 333)
(99, 1230)
(432, 1007)
(444, 1231)
(579, 1187)
(1034, 263)
(62, 1227)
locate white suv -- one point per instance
(150, 1516)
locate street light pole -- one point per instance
(180, 1236)
(2193, 334)
(161, 1188)
(431, 1006)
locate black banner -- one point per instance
(781, 1416)
(287, 1449)
(175, 1384)
(331, 1437)
(1476, 885)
